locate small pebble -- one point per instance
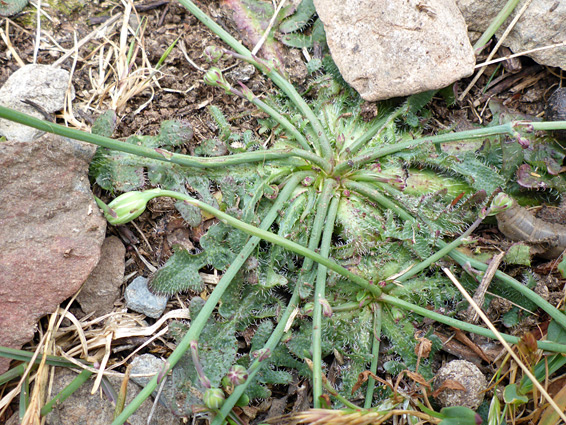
(140, 299)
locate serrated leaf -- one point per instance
(299, 41)
(218, 252)
(418, 101)
(105, 124)
(512, 156)
(180, 273)
(300, 18)
(511, 318)
(175, 133)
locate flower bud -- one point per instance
(237, 375)
(308, 309)
(397, 314)
(262, 354)
(213, 54)
(128, 206)
(326, 308)
(501, 202)
(214, 398)
(214, 77)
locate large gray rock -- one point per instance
(389, 48)
(102, 287)
(82, 408)
(542, 24)
(51, 231)
(43, 85)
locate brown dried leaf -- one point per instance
(418, 378)
(423, 348)
(363, 377)
(449, 384)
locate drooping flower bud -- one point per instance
(501, 202)
(214, 398)
(198, 367)
(214, 77)
(326, 308)
(128, 206)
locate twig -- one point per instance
(479, 296)
(87, 38)
(494, 51)
(523, 53)
(10, 46)
(37, 33)
(189, 60)
(268, 29)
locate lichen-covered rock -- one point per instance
(42, 85)
(467, 377)
(50, 231)
(102, 287)
(387, 49)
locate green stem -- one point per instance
(285, 123)
(159, 154)
(319, 218)
(278, 79)
(552, 311)
(375, 130)
(374, 353)
(495, 24)
(508, 128)
(375, 195)
(389, 299)
(339, 396)
(255, 367)
(278, 240)
(349, 306)
(319, 296)
(440, 253)
(200, 321)
(74, 385)
(547, 125)
(376, 153)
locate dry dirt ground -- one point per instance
(177, 91)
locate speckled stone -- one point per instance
(469, 376)
(140, 299)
